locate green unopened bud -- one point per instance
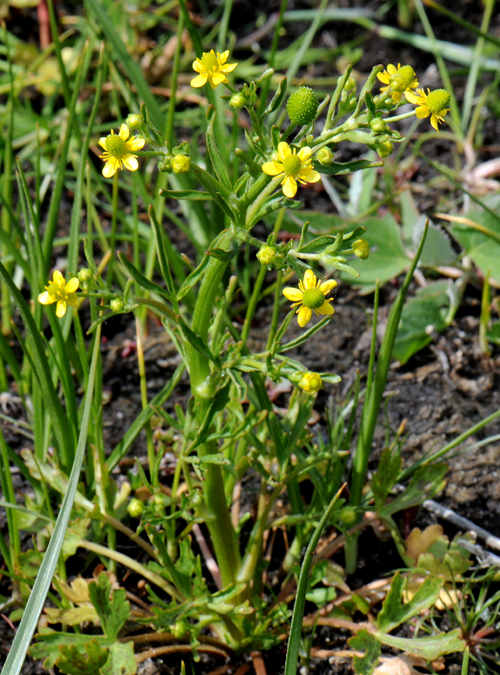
(302, 106)
(181, 164)
(347, 516)
(267, 255)
(84, 275)
(238, 101)
(135, 508)
(180, 628)
(116, 305)
(361, 248)
(385, 149)
(325, 156)
(378, 125)
(133, 121)
(311, 382)
(350, 84)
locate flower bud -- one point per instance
(238, 101)
(350, 84)
(385, 149)
(181, 164)
(116, 305)
(361, 249)
(84, 275)
(311, 382)
(325, 156)
(266, 255)
(135, 508)
(347, 516)
(302, 106)
(378, 125)
(133, 121)
(180, 628)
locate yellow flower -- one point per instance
(61, 292)
(433, 103)
(398, 80)
(118, 151)
(310, 297)
(212, 68)
(311, 382)
(294, 166)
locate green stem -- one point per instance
(144, 395)
(114, 219)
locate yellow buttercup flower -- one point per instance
(293, 166)
(119, 151)
(212, 68)
(433, 103)
(310, 297)
(398, 80)
(61, 292)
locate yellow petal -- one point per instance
(46, 299)
(309, 175)
(272, 168)
(58, 278)
(327, 286)
(223, 57)
(309, 279)
(60, 309)
(326, 308)
(198, 66)
(130, 162)
(228, 68)
(199, 80)
(124, 132)
(72, 285)
(422, 112)
(135, 143)
(218, 78)
(391, 69)
(102, 142)
(435, 122)
(413, 98)
(289, 187)
(304, 154)
(110, 168)
(384, 77)
(396, 96)
(304, 316)
(284, 150)
(292, 294)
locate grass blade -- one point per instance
(17, 654)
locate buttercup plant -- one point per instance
(230, 424)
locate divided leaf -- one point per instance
(394, 612)
(365, 641)
(114, 611)
(73, 662)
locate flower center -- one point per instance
(209, 61)
(116, 146)
(313, 298)
(292, 165)
(56, 291)
(401, 80)
(437, 101)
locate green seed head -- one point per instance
(116, 305)
(313, 298)
(378, 125)
(438, 100)
(115, 145)
(238, 101)
(292, 165)
(401, 80)
(209, 60)
(302, 106)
